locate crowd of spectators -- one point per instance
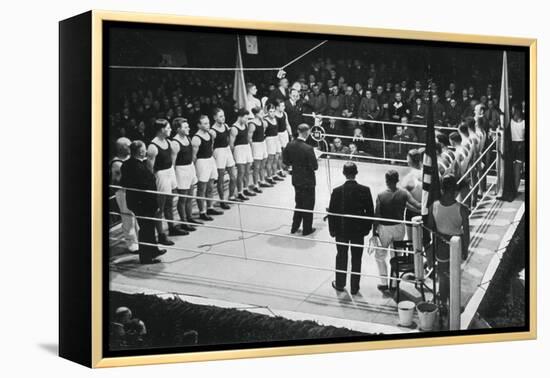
(348, 88)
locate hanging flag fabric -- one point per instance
(430, 174)
(507, 188)
(251, 43)
(239, 86)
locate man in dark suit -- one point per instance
(353, 199)
(301, 157)
(135, 174)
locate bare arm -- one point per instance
(116, 173)
(152, 153)
(232, 136)
(288, 128)
(377, 215)
(175, 150)
(195, 142)
(251, 129)
(412, 202)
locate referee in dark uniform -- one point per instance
(354, 199)
(135, 174)
(301, 157)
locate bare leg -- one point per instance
(201, 192)
(160, 214)
(240, 178)
(182, 204)
(221, 181)
(256, 174)
(232, 181)
(246, 177)
(189, 203)
(208, 194)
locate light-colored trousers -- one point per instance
(387, 234)
(130, 226)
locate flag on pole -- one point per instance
(430, 173)
(507, 188)
(251, 43)
(239, 86)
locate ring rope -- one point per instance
(478, 182)
(476, 162)
(376, 121)
(217, 68)
(256, 232)
(313, 267)
(352, 156)
(374, 139)
(324, 213)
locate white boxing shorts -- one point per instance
(283, 138)
(273, 145)
(206, 169)
(166, 180)
(259, 150)
(224, 158)
(242, 154)
(185, 176)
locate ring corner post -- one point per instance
(417, 239)
(455, 278)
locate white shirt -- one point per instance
(518, 130)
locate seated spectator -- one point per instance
(397, 108)
(369, 109)
(317, 100)
(419, 112)
(358, 139)
(135, 333)
(453, 114)
(338, 147)
(439, 110)
(335, 102)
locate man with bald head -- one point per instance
(351, 198)
(129, 224)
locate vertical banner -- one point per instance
(251, 43)
(430, 174)
(239, 85)
(507, 187)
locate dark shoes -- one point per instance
(225, 205)
(242, 197)
(257, 190)
(212, 211)
(337, 288)
(248, 193)
(187, 227)
(383, 287)
(277, 178)
(266, 184)
(306, 233)
(176, 231)
(194, 221)
(164, 240)
(153, 259)
(205, 217)
(294, 229)
(270, 181)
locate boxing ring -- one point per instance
(247, 257)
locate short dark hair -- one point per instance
(255, 110)
(448, 183)
(216, 111)
(202, 116)
(303, 127)
(442, 138)
(392, 176)
(159, 125)
(455, 137)
(350, 169)
(178, 122)
(135, 147)
(463, 128)
(415, 156)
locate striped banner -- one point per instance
(430, 174)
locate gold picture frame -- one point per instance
(98, 17)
